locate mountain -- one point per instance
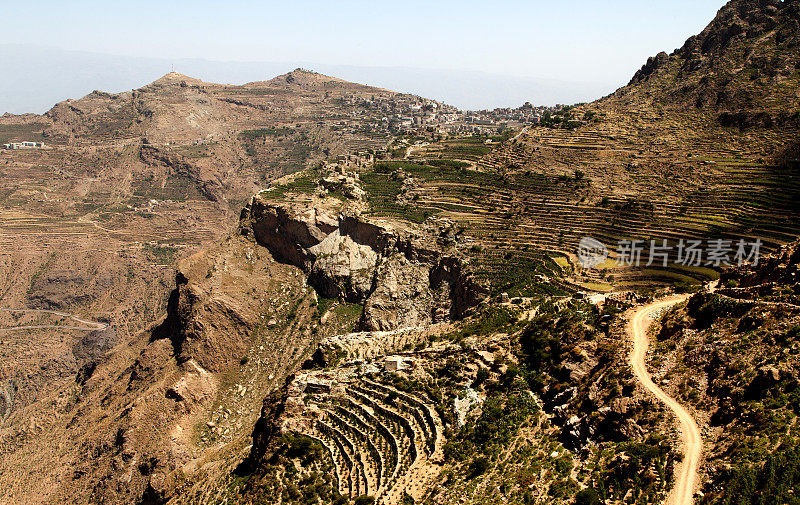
(659, 156)
(225, 140)
(93, 223)
(182, 109)
(37, 77)
(402, 318)
(744, 65)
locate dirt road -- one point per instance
(518, 135)
(87, 325)
(686, 476)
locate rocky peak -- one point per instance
(301, 76)
(734, 61)
(737, 20)
(177, 78)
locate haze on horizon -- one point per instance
(470, 54)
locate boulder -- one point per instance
(402, 296)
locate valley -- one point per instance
(306, 290)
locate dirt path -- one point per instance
(518, 135)
(87, 325)
(686, 477)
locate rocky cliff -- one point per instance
(743, 65)
(403, 276)
(207, 183)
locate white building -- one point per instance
(24, 145)
(395, 363)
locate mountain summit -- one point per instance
(173, 77)
(747, 58)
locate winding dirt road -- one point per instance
(87, 325)
(686, 478)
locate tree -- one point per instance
(365, 500)
(588, 497)
(478, 466)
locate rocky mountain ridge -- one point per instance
(528, 397)
(743, 65)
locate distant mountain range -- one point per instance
(34, 78)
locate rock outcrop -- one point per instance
(6, 400)
(346, 183)
(208, 185)
(734, 65)
(287, 232)
(783, 267)
(403, 276)
(776, 277)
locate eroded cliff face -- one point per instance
(224, 295)
(252, 301)
(246, 315)
(404, 276)
(208, 184)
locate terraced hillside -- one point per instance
(531, 209)
(404, 329)
(708, 182)
(129, 183)
(383, 442)
(651, 161)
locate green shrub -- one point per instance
(587, 497)
(478, 466)
(481, 376)
(447, 163)
(707, 309)
(774, 481)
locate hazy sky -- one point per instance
(580, 40)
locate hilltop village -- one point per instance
(411, 114)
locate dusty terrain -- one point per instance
(131, 182)
(250, 312)
(686, 479)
